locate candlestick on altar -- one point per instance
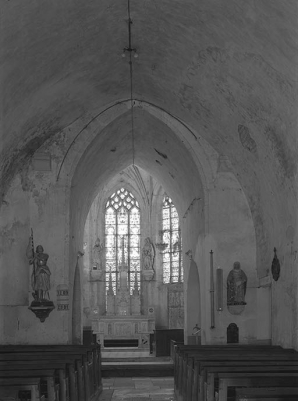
(212, 290)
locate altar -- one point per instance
(123, 325)
(138, 328)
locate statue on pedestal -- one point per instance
(236, 286)
(97, 255)
(148, 255)
(40, 277)
(40, 280)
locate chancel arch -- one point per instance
(112, 161)
(100, 161)
(102, 302)
(108, 159)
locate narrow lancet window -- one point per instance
(171, 237)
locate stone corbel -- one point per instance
(41, 309)
(148, 274)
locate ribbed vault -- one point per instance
(157, 150)
(212, 64)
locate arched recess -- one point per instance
(168, 151)
(157, 150)
(193, 300)
(76, 306)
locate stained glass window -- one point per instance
(171, 237)
(122, 238)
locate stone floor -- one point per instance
(138, 389)
(124, 353)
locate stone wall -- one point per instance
(214, 207)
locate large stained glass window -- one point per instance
(122, 238)
(171, 237)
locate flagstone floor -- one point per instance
(138, 389)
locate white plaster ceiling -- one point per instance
(223, 67)
(211, 63)
(156, 150)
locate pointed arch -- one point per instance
(193, 301)
(122, 238)
(172, 240)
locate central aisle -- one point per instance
(138, 389)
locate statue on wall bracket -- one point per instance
(41, 306)
(97, 260)
(236, 289)
(148, 255)
(275, 267)
(97, 255)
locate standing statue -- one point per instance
(275, 267)
(97, 255)
(40, 278)
(236, 286)
(148, 255)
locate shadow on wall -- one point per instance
(193, 299)
(77, 329)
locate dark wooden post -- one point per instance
(86, 377)
(51, 388)
(62, 385)
(72, 379)
(80, 380)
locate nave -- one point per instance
(136, 375)
(148, 176)
(235, 373)
(192, 373)
(138, 389)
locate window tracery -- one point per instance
(122, 230)
(171, 236)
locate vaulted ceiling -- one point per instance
(226, 68)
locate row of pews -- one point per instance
(50, 372)
(234, 372)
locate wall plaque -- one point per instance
(62, 297)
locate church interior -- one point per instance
(148, 189)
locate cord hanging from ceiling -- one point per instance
(131, 51)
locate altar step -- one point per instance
(124, 353)
(137, 367)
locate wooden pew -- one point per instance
(14, 386)
(263, 361)
(254, 380)
(212, 375)
(52, 391)
(201, 368)
(173, 345)
(182, 351)
(47, 375)
(184, 354)
(269, 393)
(74, 367)
(84, 365)
(186, 368)
(60, 369)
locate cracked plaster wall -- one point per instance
(47, 211)
(216, 66)
(34, 200)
